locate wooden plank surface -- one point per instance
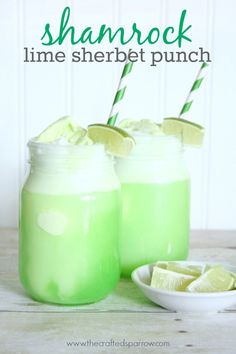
(49, 333)
(126, 315)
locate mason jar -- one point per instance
(155, 189)
(69, 222)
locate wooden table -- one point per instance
(120, 322)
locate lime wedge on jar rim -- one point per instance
(213, 280)
(168, 280)
(116, 140)
(65, 127)
(189, 132)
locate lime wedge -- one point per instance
(54, 131)
(161, 265)
(190, 133)
(193, 270)
(168, 280)
(213, 280)
(116, 140)
(210, 266)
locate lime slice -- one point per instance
(54, 131)
(193, 270)
(168, 280)
(161, 265)
(210, 266)
(190, 133)
(234, 276)
(117, 141)
(213, 280)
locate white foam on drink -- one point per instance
(154, 159)
(59, 169)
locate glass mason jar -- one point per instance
(155, 191)
(69, 220)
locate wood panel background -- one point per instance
(34, 94)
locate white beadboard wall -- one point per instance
(34, 94)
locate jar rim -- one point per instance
(60, 147)
(56, 155)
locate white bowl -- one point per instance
(183, 301)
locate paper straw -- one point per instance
(197, 83)
(120, 93)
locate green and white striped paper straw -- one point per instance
(197, 83)
(120, 93)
